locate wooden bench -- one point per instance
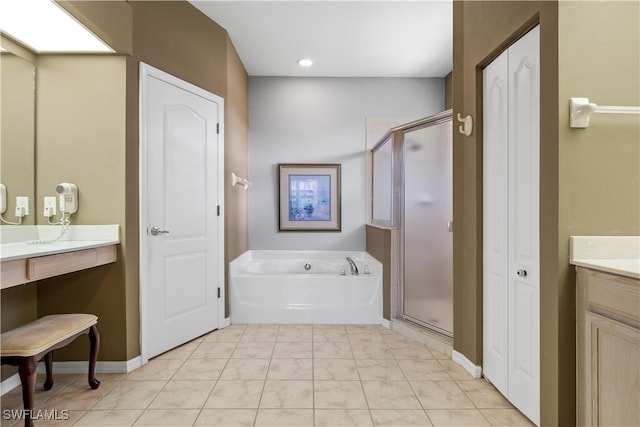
(26, 345)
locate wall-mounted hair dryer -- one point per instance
(67, 197)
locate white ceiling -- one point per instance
(344, 38)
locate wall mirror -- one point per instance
(17, 129)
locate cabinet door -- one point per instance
(614, 358)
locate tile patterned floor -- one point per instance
(283, 375)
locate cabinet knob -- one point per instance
(522, 273)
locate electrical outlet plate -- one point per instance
(23, 202)
(50, 206)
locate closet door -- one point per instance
(511, 284)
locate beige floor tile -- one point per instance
(226, 417)
(379, 369)
(60, 419)
(267, 335)
(241, 394)
(284, 418)
(390, 395)
(455, 371)
(483, 394)
(231, 335)
(182, 395)
(77, 396)
(155, 370)
(295, 335)
(290, 369)
(335, 369)
(131, 395)
(292, 350)
(332, 350)
(365, 337)
(339, 395)
(457, 418)
(330, 335)
(342, 418)
(412, 351)
(110, 418)
(423, 370)
(213, 350)
(506, 418)
(400, 418)
(441, 395)
(200, 369)
(168, 417)
(371, 350)
(245, 369)
(253, 350)
(438, 355)
(287, 394)
(396, 340)
(180, 353)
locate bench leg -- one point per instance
(48, 364)
(27, 369)
(94, 340)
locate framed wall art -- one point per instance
(309, 197)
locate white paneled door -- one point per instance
(511, 265)
(180, 224)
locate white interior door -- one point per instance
(180, 225)
(511, 277)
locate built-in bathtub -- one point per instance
(305, 287)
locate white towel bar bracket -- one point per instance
(580, 110)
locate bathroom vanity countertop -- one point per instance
(19, 242)
(612, 254)
(12, 251)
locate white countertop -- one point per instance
(18, 242)
(612, 254)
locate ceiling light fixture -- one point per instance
(46, 27)
(305, 62)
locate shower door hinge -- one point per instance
(218, 292)
(450, 226)
(217, 128)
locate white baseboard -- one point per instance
(226, 322)
(385, 323)
(460, 359)
(9, 384)
(80, 367)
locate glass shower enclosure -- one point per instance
(412, 192)
(426, 224)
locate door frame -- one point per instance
(147, 71)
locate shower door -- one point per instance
(427, 245)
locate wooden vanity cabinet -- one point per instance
(608, 349)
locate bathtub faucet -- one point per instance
(354, 267)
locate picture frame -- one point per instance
(309, 197)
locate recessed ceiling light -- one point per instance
(46, 27)
(305, 62)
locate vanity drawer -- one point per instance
(615, 295)
(54, 265)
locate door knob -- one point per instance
(155, 231)
(522, 273)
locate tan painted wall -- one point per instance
(379, 245)
(482, 29)
(88, 123)
(236, 160)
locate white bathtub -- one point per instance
(275, 287)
